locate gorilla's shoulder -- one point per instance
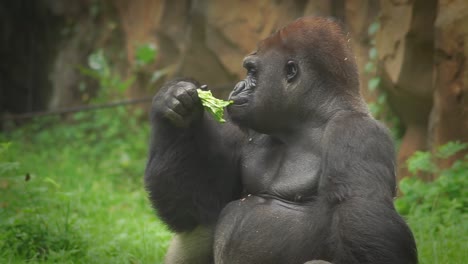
(360, 146)
(358, 130)
(357, 123)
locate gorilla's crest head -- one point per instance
(301, 73)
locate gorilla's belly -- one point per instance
(262, 230)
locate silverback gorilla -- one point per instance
(301, 172)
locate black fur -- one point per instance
(300, 173)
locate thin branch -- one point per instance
(81, 108)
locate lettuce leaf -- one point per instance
(213, 105)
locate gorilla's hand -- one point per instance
(178, 103)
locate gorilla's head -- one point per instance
(302, 73)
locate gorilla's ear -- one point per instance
(292, 69)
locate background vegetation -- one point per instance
(72, 193)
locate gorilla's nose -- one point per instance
(238, 88)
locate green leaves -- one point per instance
(451, 148)
(373, 28)
(421, 161)
(7, 167)
(98, 62)
(373, 53)
(426, 161)
(213, 105)
(373, 84)
(145, 54)
(110, 82)
(442, 202)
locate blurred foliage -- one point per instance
(447, 194)
(34, 239)
(145, 54)
(110, 83)
(379, 108)
(71, 187)
(437, 211)
(71, 192)
(7, 167)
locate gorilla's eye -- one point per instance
(291, 70)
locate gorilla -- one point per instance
(300, 172)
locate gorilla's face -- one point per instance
(301, 74)
(262, 99)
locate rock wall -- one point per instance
(421, 44)
(449, 116)
(208, 39)
(405, 44)
(421, 48)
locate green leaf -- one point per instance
(373, 28)
(123, 86)
(213, 105)
(450, 149)
(373, 53)
(4, 146)
(97, 61)
(421, 161)
(52, 182)
(373, 84)
(145, 54)
(402, 206)
(382, 98)
(8, 167)
(369, 68)
(374, 108)
(88, 72)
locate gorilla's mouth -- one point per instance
(242, 92)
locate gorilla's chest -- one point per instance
(290, 173)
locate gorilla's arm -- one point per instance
(359, 182)
(192, 167)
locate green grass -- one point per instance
(441, 238)
(84, 201)
(72, 192)
(440, 243)
(438, 211)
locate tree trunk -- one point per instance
(405, 46)
(449, 117)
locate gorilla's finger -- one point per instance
(192, 91)
(186, 85)
(175, 118)
(178, 107)
(185, 99)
